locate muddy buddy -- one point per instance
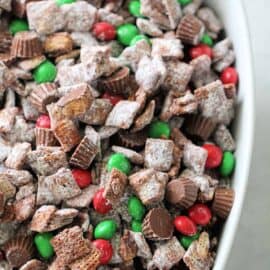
(115, 142)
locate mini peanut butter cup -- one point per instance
(134, 140)
(19, 250)
(181, 192)
(26, 45)
(199, 126)
(45, 137)
(223, 202)
(158, 224)
(117, 83)
(190, 30)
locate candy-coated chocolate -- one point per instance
(206, 39)
(106, 250)
(229, 75)
(138, 38)
(82, 177)
(45, 72)
(120, 162)
(227, 165)
(101, 204)
(126, 32)
(185, 225)
(43, 121)
(214, 156)
(18, 25)
(186, 241)
(134, 8)
(184, 2)
(159, 129)
(114, 99)
(104, 31)
(136, 226)
(105, 229)
(136, 209)
(200, 214)
(199, 50)
(63, 2)
(43, 245)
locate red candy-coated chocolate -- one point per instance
(101, 204)
(82, 177)
(200, 214)
(43, 121)
(104, 31)
(199, 50)
(185, 225)
(214, 156)
(113, 99)
(106, 250)
(229, 75)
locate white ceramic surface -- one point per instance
(234, 19)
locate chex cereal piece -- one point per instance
(17, 157)
(149, 185)
(178, 77)
(24, 208)
(62, 184)
(106, 16)
(165, 13)
(16, 177)
(76, 102)
(47, 160)
(221, 49)
(5, 149)
(167, 255)
(7, 188)
(45, 17)
(150, 74)
(224, 139)
(167, 48)
(158, 154)
(227, 61)
(32, 63)
(30, 113)
(194, 157)
(186, 104)
(192, 7)
(97, 113)
(148, 27)
(5, 4)
(84, 199)
(213, 103)
(166, 111)
(143, 249)
(69, 245)
(115, 186)
(25, 191)
(122, 114)
(198, 256)
(34, 265)
(127, 247)
(57, 265)
(7, 118)
(177, 159)
(132, 155)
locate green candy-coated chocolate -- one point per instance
(105, 229)
(206, 39)
(126, 32)
(159, 129)
(138, 38)
(187, 240)
(45, 72)
(134, 8)
(184, 2)
(62, 2)
(136, 209)
(43, 245)
(18, 25)
(136, 226)
(120, 162)
(227, 165)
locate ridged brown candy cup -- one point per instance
(117, 83)
(45, 137)
(181, 192)
(190, 30)
(19, 250)
(199, 126)
(132, 140)
(158, 224)
(26, 45)
(223, 202)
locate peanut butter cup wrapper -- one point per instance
(45, 137)
(117, 83)
(5, 42)
(199, 126)
(19, 250)
(182, 192)
(43, 95)
(223, 202)
(190, 30)
(158, 224)
(26, 45)
(134, 140)
(84, 154)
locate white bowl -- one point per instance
(233, 16)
